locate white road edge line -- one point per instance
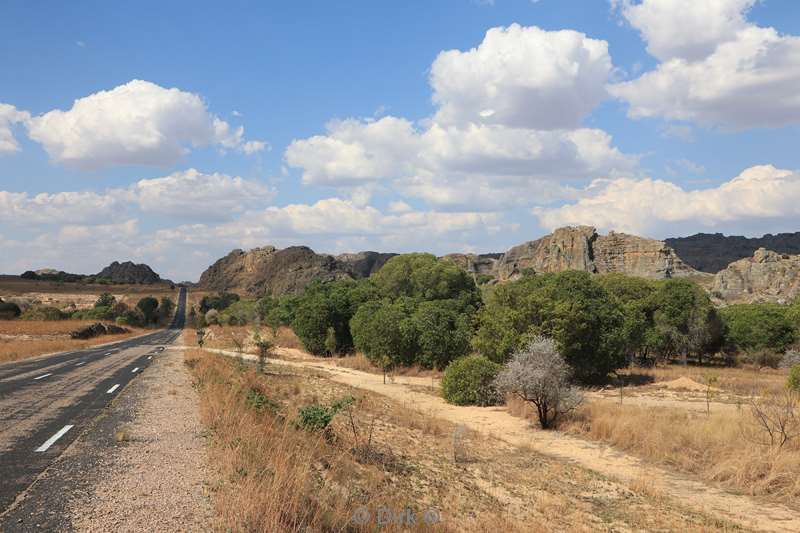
(44, 375)
(135, 370)
(109, 353)
(112, 389)
(49, 442)
(81, 363)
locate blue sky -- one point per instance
(655, 117)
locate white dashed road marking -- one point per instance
(44, 376)
(135, 370)
(49, 442)
(150, 357)
(112, 389)
(81, 363)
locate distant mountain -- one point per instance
(129, 272)
(269, 270)
(713, 252)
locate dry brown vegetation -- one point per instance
(59, 294)
(743, 381)
(20, 339)
(726, 447)
(276, 477)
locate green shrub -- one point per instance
(469, 381)
(794, 378)
(219, 302)
(95, 313)
(257, 401)
(315, 417)
(756, 327)
(149, 308)
(760, 358)
(44, 312)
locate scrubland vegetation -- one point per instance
(29, 327)
(296, 452)
(533, 342)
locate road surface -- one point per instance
(47, 402)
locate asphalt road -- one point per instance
(47, 402)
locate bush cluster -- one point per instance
(470, 381)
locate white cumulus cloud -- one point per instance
(10, 115)
(652, 207)
(506, 132)
(192, 193)
(138, 123)
(522, 77)
(716, 67)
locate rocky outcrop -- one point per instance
(581, 248)
(129, 272)
(712, 252)
(269, 270)
(767, 276)
(95, 330)
(477, 264)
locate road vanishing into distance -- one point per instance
(47, 402)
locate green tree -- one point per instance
(149, 307)
(571, 307)
(165, 308)
(443, 332)
(105, 300)
(424, 277)
(753, 327)
(684, 320)
(383, 333)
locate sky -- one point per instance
(171, 133)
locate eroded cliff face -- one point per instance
(766, 277)
(271, 271)
(581, 248)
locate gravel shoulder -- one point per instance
(155, 478)
(141, 466)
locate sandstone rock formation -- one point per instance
(269, 270)
(581, 248)
(766, 277)
(129, 272)
(477, 264)
(713, 252)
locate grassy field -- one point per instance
(273, 475)
(20, 339)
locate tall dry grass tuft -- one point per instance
(721, 447)
(274, 476)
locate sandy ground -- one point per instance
(498, 423)
(154, 479)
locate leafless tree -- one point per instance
(777, 416)
(539, 375)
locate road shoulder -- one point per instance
(141, 466)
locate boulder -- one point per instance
(95, 330)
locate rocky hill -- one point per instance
(582, 248)
(272, 271)
(767, 276)
(712, 252)
(129, 272)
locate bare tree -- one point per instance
(777, 415)
(539, 375)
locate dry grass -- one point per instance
(51, 293)
(274, 477)
(720, 447)
(20, 339)
(360, 362)
(741, 381)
